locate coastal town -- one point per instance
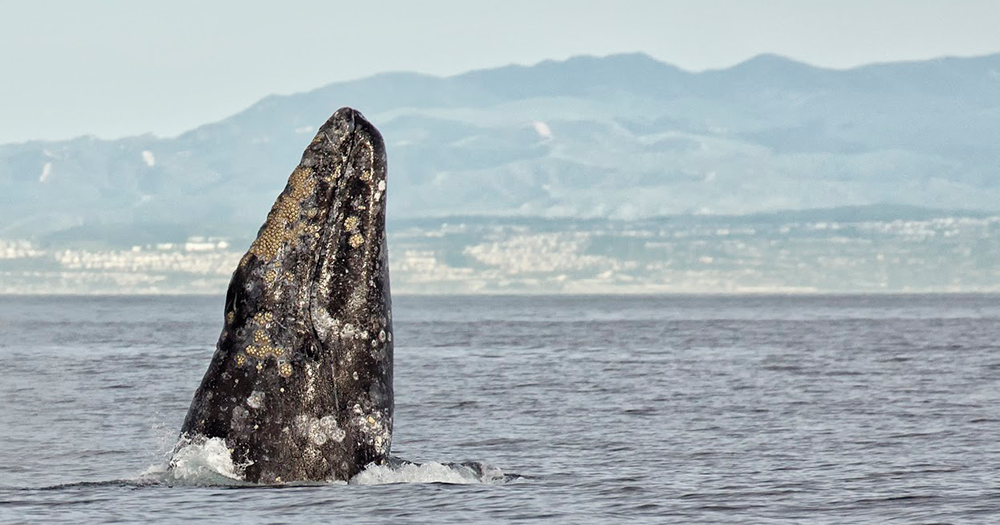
(529, 255)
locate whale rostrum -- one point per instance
(300, 385)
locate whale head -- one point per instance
(300, 385)
(321, 258)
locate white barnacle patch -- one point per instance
(348, 331)
(239, 417)
(333, 431)
(358, 299)
(256, 399)
(374, 430)
(316, 434)
(381, 336)
(318, 430)
(324, 324)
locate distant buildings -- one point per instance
(693, 255)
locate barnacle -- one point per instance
(283, 214)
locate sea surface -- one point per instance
(668, 409)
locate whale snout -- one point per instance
(345, 127)
(345, 117)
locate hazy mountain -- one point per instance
(618, 137)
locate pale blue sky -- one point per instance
(124, 67)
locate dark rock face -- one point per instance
(300, 386)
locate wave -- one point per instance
(208, 463)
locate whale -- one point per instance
(300, 385)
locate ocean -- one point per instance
(584, 409)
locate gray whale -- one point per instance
(300, 385)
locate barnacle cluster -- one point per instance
(261, 349)
(283, 220)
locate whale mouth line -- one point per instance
(330, 233)
(351, 134)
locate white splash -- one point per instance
(208, 462)
(542, 129)
(427, 473)
(148, 158)
(198, 462)
(46, 171)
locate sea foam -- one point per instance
(208, 462)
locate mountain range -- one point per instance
(621, 137)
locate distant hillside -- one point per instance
(620, 137)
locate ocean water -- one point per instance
(842, 409)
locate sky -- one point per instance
(114, 68)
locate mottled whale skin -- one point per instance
(300, 385)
